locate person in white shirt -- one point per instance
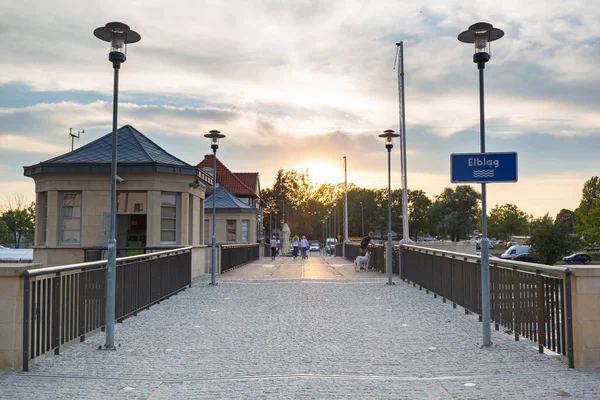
(273, 244)
(304, 247)
(295, 245)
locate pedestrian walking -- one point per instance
(304, 247)
(273, 244)
(295, 245)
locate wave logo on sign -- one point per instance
(483, 173)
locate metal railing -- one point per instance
(98, 253)
(527, 299)
(377, 260)
(234, 255)
(64, 304)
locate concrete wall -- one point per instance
(221, 226)
(585, 292)
(11, 314)
(95, 202)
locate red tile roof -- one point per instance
(226, 178)
(250, 179)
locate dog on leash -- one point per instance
(362, 262)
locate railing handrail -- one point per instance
(520, 265)
(230, 246)
(94, 264)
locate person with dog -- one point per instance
(273, 244)
(364, 244)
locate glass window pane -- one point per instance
(71, 211)
(167, 224)
(131, 202)
(167, 236)
(71, 199)
(168, 199)
(71, 223)
(71, 237)
(168, 212)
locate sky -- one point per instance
(301, 84)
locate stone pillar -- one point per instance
(585, 292)
(153, 219)
(184, 219)
(285, 239)
(11, 314)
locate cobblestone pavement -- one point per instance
(301, 337)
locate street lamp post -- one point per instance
(362, 219)
(481, 34)
(119, 36)
(214, 145)
(389, 136)
(324, 241)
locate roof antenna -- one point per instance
(74, 136)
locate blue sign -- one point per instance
(483, 167)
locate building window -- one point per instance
(70, 218)
(245, 230)
(131, 202)
(43, 207)
(206, 233)
(231, 231)
(169, 211)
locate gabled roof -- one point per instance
(225, 201)
(135, 153)
(250, 179)
(226, 178)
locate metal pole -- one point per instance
(334, 224)
(485, 253)
(345, 207)
(405, 216)
(214, 218)
(323, 247)
(112, 242)
(388, 251)
(362, 219)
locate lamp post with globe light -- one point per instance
(119, 36)
(214, 137)
(389, 136)
(481, 34)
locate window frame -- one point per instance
(61, 213)
(176, 218)
(246, 224)
(227, 232)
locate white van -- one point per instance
(513, 251)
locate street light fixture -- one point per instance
(481, 34)
(214, 137)
(389, 136)
(118, 35)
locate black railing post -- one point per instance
(517, 302)
(569, 306)
(541, 316)
(26, 314)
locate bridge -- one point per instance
(312, 328)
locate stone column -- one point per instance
(585, 292)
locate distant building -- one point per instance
(232, 218)
(160, 199)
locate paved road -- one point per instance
(310, 329)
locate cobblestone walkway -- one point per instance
(311, 329)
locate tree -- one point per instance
(589, 228)
(567, 218)
(507, 220)
(418, 207)
(20, 223)
(550, 241)
(454, 212)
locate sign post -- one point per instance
(484, 168)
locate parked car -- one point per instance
(330, 245)
(378, 241)
(514, 251)
(526, 257)
(580, 258)
(314, 246)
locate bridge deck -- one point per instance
(302, 329)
